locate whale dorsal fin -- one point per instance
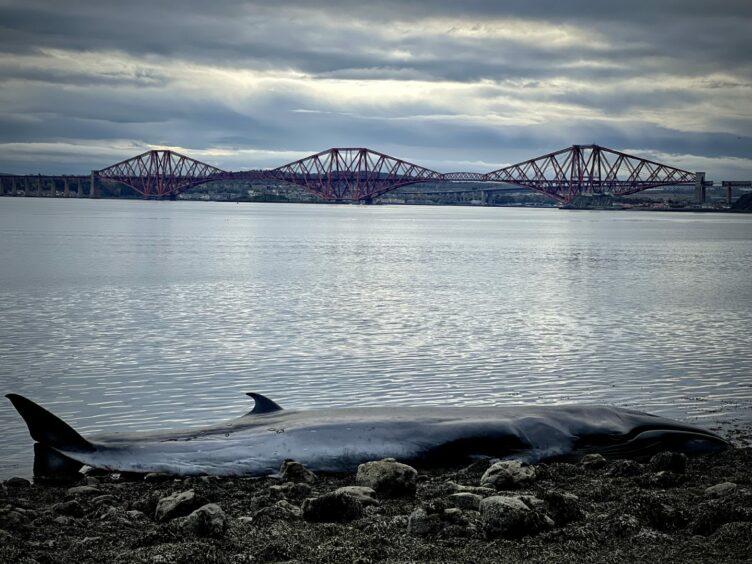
(263, 404)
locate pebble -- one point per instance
(421, 523)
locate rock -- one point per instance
(420, 523)
(563, 507)
(292, 471)
(508, 474)
(290, 489)
(69, 508)
(16, 482)
(662, 479)
(710, 515)
(63, 520)
(176, 505)
(12, 517)
(92, 481)
(388, 478)
(593, 461)
(83, 491)
(104, 500)
(136, 515)
(675, 462)
(332, 507)
(366, 496)
(734, 534)
(465, 500)
(283, 510)
(625, 469)
(510, 517)
(661, 515)
(479, 466)
(721, 490)
(207, 521)
(477, 490)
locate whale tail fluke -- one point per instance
(48, 429)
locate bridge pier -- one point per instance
(729, 194)
(700, 193)
(2, 186)
(66, 188)
(53, 188)
(93, 189)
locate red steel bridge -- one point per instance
(360, 175)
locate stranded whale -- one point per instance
(340, 439)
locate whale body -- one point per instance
(337, 440)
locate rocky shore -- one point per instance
(667, 508)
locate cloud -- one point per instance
(244, 84)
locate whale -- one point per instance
(338, 440)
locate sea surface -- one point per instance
(130, 315)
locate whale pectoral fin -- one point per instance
(263, 404)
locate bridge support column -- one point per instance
(39, 186)
(93, 189)
(66, 188)
(79, 189)
(729, 194)
(53, 188)
(13, 187)
(700, 187)
(2, 187)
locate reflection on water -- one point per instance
(140, 315)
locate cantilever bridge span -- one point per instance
(360, 174)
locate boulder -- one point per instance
(421, 523)
(675, 462)
(388, 478)
(721, 490)
(593, 461)
(510, 517)
(332, 507)
(207, 521)
(366, 496)
(465, 500)
(292, 471)
(16, 482)
(176, 505)
(68, 508)
(508, 474)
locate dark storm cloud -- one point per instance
(470, 83)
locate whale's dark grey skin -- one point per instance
(340, 439)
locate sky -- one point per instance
(471, 85)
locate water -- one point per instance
(141, 315)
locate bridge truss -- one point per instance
(360, 174)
